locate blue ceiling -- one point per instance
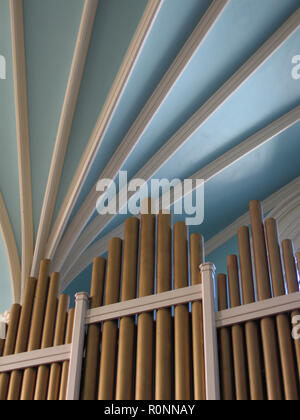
(51, 28)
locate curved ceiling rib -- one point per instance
(141, 124)
(21, 106)
(188, 129)
(247, 146)
(64, 129)
(102, 124)
(11, 251)
(208, 172)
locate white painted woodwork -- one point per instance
(23, 141)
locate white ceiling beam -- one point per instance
(141, 124)
(248, 146)
(64, 130)
(184, 134)
(23, 141)
(103, 122)
(11, 252)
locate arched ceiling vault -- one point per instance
(158, 88)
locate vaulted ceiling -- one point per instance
(159, 88)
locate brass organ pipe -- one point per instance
(282, 320)
(196, 259)
(124, 383)
(225, 343)
(144, 357)
(109, 332)
(292, 284)
(2, 344)
(66, 364)
(9, 347)
(270, 349)
(35, 337)
(59, 337)
(90, 374)
(256, 383)
(163, 365)
(47, 339)
(182, 339)
(238, 337)
(22, 337)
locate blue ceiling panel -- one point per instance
(50, 34)
(9, 177)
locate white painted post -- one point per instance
(73, 388)
(212, 379)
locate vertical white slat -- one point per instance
(212, 378)
(73, 388)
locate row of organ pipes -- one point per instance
(161, 356)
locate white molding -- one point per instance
(23, 141)
(100, 247)
(35, 358)
(99, 223)
(103, 122)
(258, 310)
(144, 304)
(140, 125)
(64, 130)
(11, 251)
